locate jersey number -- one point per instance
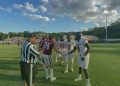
(46, 46)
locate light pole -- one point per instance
(106, 37)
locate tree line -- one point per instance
(113, 32)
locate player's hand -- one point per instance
(82, 58)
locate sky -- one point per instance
(56, 15)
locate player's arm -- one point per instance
(88, 48)
(75, 47)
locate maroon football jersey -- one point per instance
(47, 47)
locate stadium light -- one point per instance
(106, 12)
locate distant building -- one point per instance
(88, 37)
(91, 38)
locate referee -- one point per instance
(29, 55)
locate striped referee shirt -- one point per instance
(29, 52)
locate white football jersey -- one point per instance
(69, 45)
(81, 46)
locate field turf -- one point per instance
(104, 68)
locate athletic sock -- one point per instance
(46, 72)
(79, 75)
(87, 80)
(66, 68)
(51, 73)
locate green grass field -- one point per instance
(104, 68)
